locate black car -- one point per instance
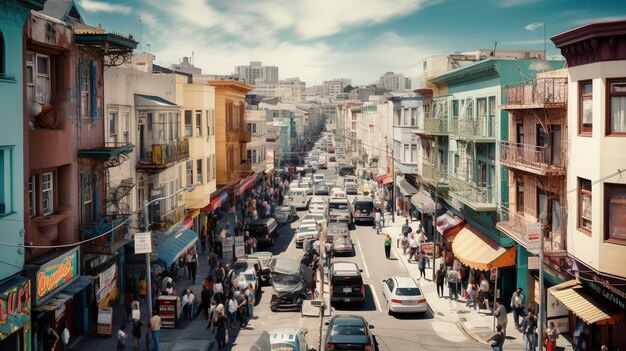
(348, 332)
(363, 209)
(290, 281)
(346, 283)
(345, 170)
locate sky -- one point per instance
(319, 40)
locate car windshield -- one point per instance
(285, 279)
(249, 277)
(364, 205)
(347, 330)
(408, 291)
(338, 205)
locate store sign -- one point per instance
(607, 290)
(533, 238)
(106, 289)
(143, 243)
(56, 274)
(240, 249)
(227, 248)
(14, 308)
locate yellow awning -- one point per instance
(586, 305)
(478, 251)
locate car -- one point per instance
(337, 192)
(350, 184)
(306, 232)
(287, 339)
(264, 257)
(243, 278)
(346, 283)
(320, 189)
(285, 214)
(317, 205)
(363, 209)
(289, 282)
(318, 217)
(318, 178)
(345, 170)
(330, 182)
(404, 295)
(349, 332)
(339, 234)
(298, 197)
(264, 230)
(339, 210)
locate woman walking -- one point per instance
(387, 245)
(220, 335)
(136, 331)
(550, 337)
(421, 264)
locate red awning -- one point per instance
(381, 177)
(387, 180)
(247, 183)
(216, 202)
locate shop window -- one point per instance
(47, 193)
(6, 180)
(585, 108)
(616, 110)
(615, 213)
(584, 205)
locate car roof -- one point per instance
(338, 225)
(285, 265)
(405, 282)
(283, 334)
(345, 266)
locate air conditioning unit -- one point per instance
(141, 121)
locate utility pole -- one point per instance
(393, 188)
(435, 234)
(541, 312)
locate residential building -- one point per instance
(255, 70)
(15, 324)
(595, 290)
(256, 123)
(332, 88)
(393, 82)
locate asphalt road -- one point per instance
(397, 332)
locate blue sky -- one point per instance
(323, 39)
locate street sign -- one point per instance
(240, 249)
(227, 248)
(143, 243)
(493, 273)
(533, 238)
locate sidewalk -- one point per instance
(476, 324)
(190, 335)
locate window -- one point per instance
(188, 127)
(6, 180)
(615, 214)
(87, 83)
(125, 121)
(32, 198)
(455, 108)
(413, 113)
(42, 78)
(519, 129)
(47, 193)
(208, 123)
(198, 123)
(585, 108)
(413, 153)
(112, 123)
(87, 210)
(519, 194)
(211, 167)
(249, 154)
(253, 128)
(189, 172)
(584, 205)
(481, 106)
(616, 118)
(149, 121)
(199, 171)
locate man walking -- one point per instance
(440, 276)
(413, 245)
(500, 315)
(155, 327)
(453, 282)
(518, 301)
(529, 328)
(406, 229)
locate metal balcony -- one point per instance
(530, 158)
(475, 128)
(436, 126)
(433, 174)
(169, 219)
(480, 199)
(161, 156)
(535, 93)
(521, 227)
(106, 244)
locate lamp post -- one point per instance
(148, 272)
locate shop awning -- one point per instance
(447, 221)
(478, 251)
(216, 202)
(381, 177)
(586, 305)
(248, 183)
(405, 188)
(171, 246)
(67, 293)
(423, 202)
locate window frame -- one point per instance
(189, 172)
(582, 130)
(87, 198)
(198, 122)
(199, 174)
(32, 196)
(46, 76)
(579, 217)
(112, 118)
(607, 218)
(6, 179)
(47, 210)
(188, 130)
(608, 109)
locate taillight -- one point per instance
(267, 236)
(330, 288)
(362, 289)
(369, 347)
(421, 301)
(330, 346)
(395, 301)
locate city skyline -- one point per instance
(318, 40)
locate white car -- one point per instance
(337, 192)
(317, 205)
(320, 218)
(286, 339)
(306, 232)
(249, 276)
(404, 295)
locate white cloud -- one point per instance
(533, 26)
(100, 6)
(512, 3)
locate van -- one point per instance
(264, 230)
(363, 209)
(298, 197)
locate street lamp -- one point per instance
(148, 272)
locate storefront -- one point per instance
(425, 208)
(173, 244)
(60, 294)
(403, 200)
(15, 302)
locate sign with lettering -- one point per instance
(143, 243)
(227, 248)
(105, 321)
(240, 249)
(533, 238)
(106, 289)
(56, 274)
(14, 308)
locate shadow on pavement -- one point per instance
(367, 305)
(414, 316)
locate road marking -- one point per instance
(380, 309)
(367, 273)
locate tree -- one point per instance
(348, 88)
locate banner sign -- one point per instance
(227, 248)
(55, 274)
(106, 289)
(240, 249)
(105, 321)
(14, 308)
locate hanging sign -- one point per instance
(105, 321)
(143, 243)
(55, 274)
(240, 249)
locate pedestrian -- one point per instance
(50, 339)
(203, 238)
(251, 298)
(155, 327)
(453, 282)
(121, 338)
(500, 315)
(497, 339)
(550, 337)
(387, 245)
(213, 262)
(406, 229)
(580, 335)
(192, 264)
(377, 223)
(218, 291)
(136, 331)
(232, 310)
(440, 276)
(421, 264)
(518, 301)
(128, 299)
(328, 252)
(135, 308)
(220, 326)
(65, 337)
(212, 315)
(413, 245)
(242, 306)
(472, 291)
(187, 302)
(205, 297)
(528, 327)
(484, 289)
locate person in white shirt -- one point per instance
(188, 299)
(65, 337)
(121, 338)
(232, 309)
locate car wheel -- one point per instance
(389, 312)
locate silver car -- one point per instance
(285, 214)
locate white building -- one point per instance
(255, 70)
(392, 81)
(256, 149)
(334, 87)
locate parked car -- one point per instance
(346, 283)
(246, 277)
(339, 234)
(298, 197)
(338, 192)
(317, 205)
(264, 230)
(339, 210)
(289, 283)
(404, 295)
(265, 257)
(348, 332)
(318, 178)
(350, 184)
(285, 214)
(363, 209)
(287, 339)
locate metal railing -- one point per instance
(164, 154)
(167, 220)
(436, 125)
(433, 173)
(518, 226)
(474, 127)
(471, 194)
(536, 92)
(530, 156)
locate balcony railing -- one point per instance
(232, 136)
(437, 126)
(534, 159)
(163, 155)
(477, 197)
(433, 173)
(475, 128)
(245, 136)
(106, 244)
(536, 93)
(523, 229)
(167, 220)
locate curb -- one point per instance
(468, 333)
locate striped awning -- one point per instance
(478, 251)
(586, 305)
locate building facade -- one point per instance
(255, 70)
(256, 121)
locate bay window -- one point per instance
(584, 205)
(616, 109)
(615, 212)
